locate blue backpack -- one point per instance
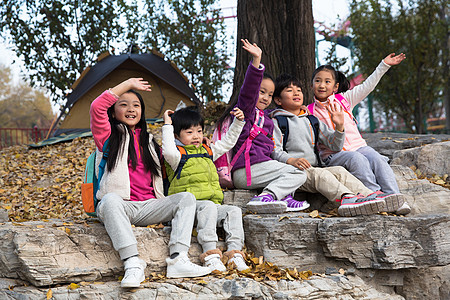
(91, 182)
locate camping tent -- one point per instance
(169, 87)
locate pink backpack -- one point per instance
(223, 163)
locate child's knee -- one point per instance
(186, 199)
(110, 200)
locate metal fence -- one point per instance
(18, 136)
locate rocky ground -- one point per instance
(50, 249)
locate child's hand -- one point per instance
(393, 59)
(300, 163)
(167, 118)
(239, 114)
(206, 141)
(138, 84)
(337, 115)
(254, 50)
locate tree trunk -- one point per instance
(284, 30)
(445, 62)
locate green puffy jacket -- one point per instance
(197, 176)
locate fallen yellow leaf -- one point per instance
(314, 214)
(73, 286)
(49, 294)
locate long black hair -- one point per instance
(233, 102)
(116, 138)
(339, 77)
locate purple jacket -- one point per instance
(262, 145)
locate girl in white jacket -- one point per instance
(131, 189)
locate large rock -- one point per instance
(387, 143)
(375, 242)
(430, 159)
(318, 287)
(47, 253)
(423, 196)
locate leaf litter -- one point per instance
(38, 184)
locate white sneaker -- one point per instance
(181, 266)
(214, 263)
(134, 272)
(239, 261)
(404, 209)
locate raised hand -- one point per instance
(254, 50)
(167, 118)
(393, 59)
(132, 83)
(138, 84)
(337, 115)
(239, 114)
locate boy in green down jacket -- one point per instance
(195, 172)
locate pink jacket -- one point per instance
(348, 100)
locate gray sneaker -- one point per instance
(352, 206)
(393, 200)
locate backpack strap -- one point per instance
(101, 171)
(256, 129)
(315, 126)
(284, 127)
(345, 104)
(311, 108)
(185, 157)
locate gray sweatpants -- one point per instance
(211, 215)
(276, 178)
(118, 215)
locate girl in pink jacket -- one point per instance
(330, 87)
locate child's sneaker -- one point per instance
(181, 266)
(266, 204)
(358, 205)
(214, 263)
(294, 205)
(404, 209)
(134, 272)
(393, 200)
(239, 261)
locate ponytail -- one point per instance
(344, 83)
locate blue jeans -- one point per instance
(367, 165)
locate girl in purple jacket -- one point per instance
(253, 167)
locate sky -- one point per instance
(327, 11)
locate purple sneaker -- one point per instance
(294, 205)
(266, 204)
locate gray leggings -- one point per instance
(369, 166)
(118, 215)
